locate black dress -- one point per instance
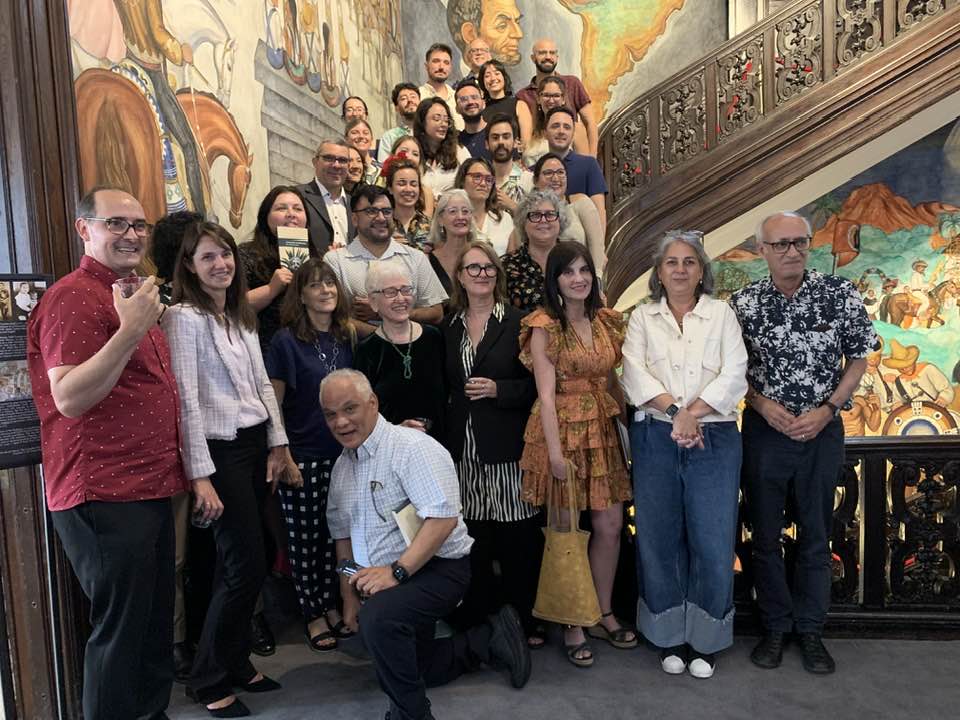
(423, 394)
(506, 105)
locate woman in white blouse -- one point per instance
(234, 447)
(684, 366)
(434, 130)
(493, 223)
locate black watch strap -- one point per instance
(835, 408)
(400, 573)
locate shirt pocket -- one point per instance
(712, 356)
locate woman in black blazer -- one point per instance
(491, 393)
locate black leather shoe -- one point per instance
(182, 661)
(768, 653)
(508, 645)
(263, 641)
(816, 659)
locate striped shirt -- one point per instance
(394, 466)
(490, 491)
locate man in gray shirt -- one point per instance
(405, 588)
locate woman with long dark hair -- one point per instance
(573, 344)
(434, 130)
(495, 226)
(497, 91)
(234, 448)
(317, 338)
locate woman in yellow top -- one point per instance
(572, 344)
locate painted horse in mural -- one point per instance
(119, 142)
(901, 308)
(197, 23)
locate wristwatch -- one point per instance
(400, 573)
(834, 408)
(671, 410)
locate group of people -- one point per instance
(414, 393)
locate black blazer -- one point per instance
(321, 228)
(498, 423)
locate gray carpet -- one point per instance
(875, 679)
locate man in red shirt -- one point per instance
(109, 417)
(545, 57)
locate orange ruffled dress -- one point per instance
(585, 412)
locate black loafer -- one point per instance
(182, 662)
(768, 653)
(816, 659)
(263, 641)
(508, 645)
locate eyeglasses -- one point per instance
(545, 216)
(440, 119)
(334, 159)
(119, 226)
(782, 247)
(480, 178)
(551, 96)
(451, 211)
(391, 293)
(474, 270)
(548, 174)
(372, 212)
(464, 99)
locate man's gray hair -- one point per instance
(758, 233)
(692, 238)
(437, 235)
(330, 141)
(529, 203)
(355, 377)
(379, 271)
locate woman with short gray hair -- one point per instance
(539, 220)
(684, 365)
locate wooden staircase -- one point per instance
(795, 92)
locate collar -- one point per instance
(566, 155)
(703, 308)
(499, 310)
(370, 446)
(811, 278)
(356, 249)
(327, 196)
(515, 172)
(97, 269)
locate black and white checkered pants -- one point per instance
(311, 550)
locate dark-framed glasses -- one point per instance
(119, 226)
(391, 292)
(334, 159)
(542, 216)
(372, 212)
(474, 270)
(782, 246)
(550, 174)
(480, 178)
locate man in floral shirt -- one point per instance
(807, 336)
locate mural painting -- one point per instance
(894, 231)
(178, 100)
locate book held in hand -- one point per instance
(294, 246)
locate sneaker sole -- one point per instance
(519, 677)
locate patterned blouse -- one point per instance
(795, 345)
(416, 233)
(524, 280)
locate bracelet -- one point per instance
(834, 408)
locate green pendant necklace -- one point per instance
(404, 356)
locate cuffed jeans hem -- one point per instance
(686, 623)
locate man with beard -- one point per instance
(439, 58)
(583, 171)
(405, 97)
(372, 216)
(513, 181)
(496, 21)
(545, 57)
(470, 105)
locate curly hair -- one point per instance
(528, 203)
(446, 154)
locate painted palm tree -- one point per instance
(949, 225)
(824, 208)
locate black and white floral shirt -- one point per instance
(795, 345)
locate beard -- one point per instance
(409, 117)
(546, 66)
(472, 118)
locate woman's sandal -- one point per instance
(622, 638)
(339, 629)
(574, 653)
(321, 641)
(537, 638)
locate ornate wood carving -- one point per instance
(799, 50)
(631, 152)
(845, 536)
(739, 89)
(911, 12)
(683, 121)
(859, 29)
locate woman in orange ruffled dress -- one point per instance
(572, 344)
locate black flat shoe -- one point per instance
(264, 643)
(182, 662)
(233, 710)
(768, 653)
(816, 659)
(264, 684)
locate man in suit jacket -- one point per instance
(328, 206)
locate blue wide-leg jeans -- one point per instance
(686, 516)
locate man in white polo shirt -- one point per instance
(372, 214)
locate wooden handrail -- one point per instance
(692, 171)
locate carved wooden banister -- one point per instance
(748, 84)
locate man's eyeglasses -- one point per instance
(549, 174)
(474, 270)
(782, 246)
(464, 99)
(372, 212)
(480, 178)
(391, 293)
(119, 226)
(545, 216)
(334, 159)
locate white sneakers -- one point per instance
(673, 661)
(701, 668)
(672, 664)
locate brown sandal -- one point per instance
(622, 638)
